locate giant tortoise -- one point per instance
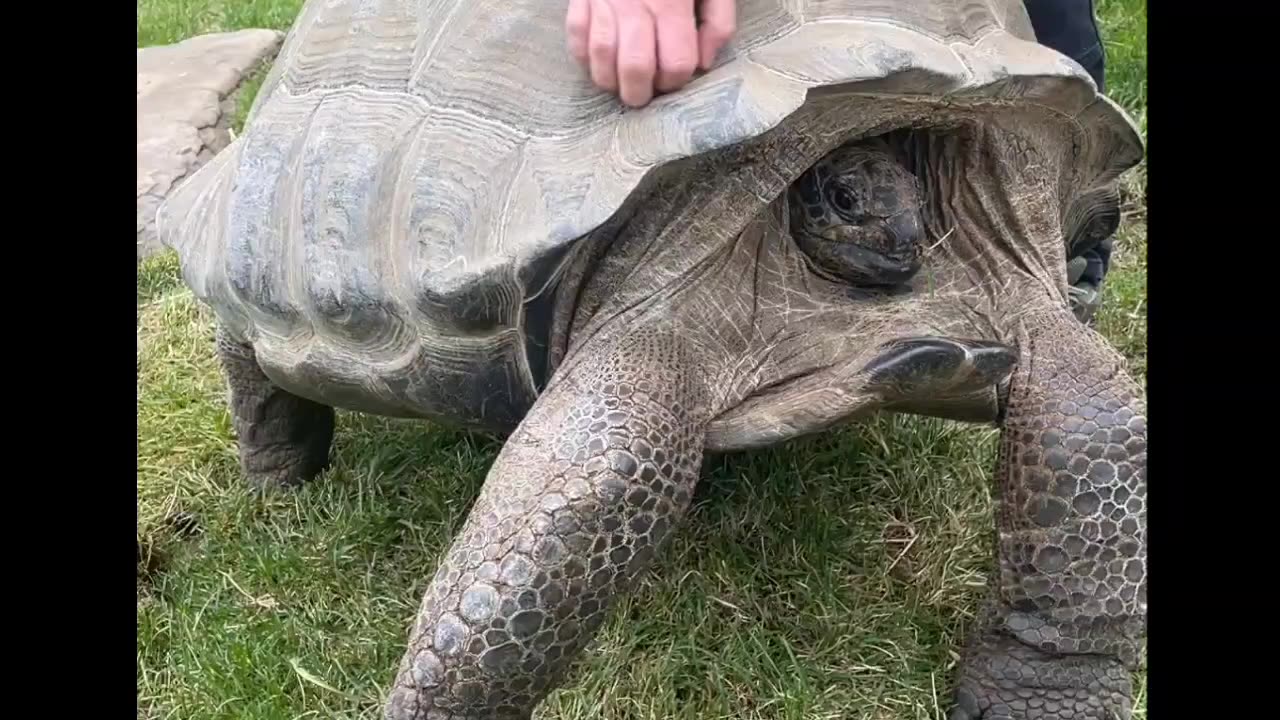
(864, 206)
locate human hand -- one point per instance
(637, 47)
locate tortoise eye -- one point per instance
(842, 199)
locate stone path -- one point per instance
(184, 108)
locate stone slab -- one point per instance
(184, 108)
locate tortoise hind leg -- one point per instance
(284, 439)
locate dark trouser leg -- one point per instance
(1069, 26)
(284, 439)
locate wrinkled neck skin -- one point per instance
(692, 322)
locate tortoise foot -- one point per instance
(1003, 679)
(284, 478)
(405, 704)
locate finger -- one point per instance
(577, 23)
(677, 45)
(637, 54)
(602, 45)
(719, 21)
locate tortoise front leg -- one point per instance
(576, 505)
(1063, 630)
(284, 439)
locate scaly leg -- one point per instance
(1063, 630)
(576, 505)
(284, 439)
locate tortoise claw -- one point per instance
(917, 364)
(943, 377)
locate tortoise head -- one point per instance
(856, 214)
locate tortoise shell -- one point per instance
(415, 174)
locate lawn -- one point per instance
(831, 578)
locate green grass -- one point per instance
(832, 578)
(161, 22)
(1124, 317)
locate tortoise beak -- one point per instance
(905, 235)
(892, 260)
